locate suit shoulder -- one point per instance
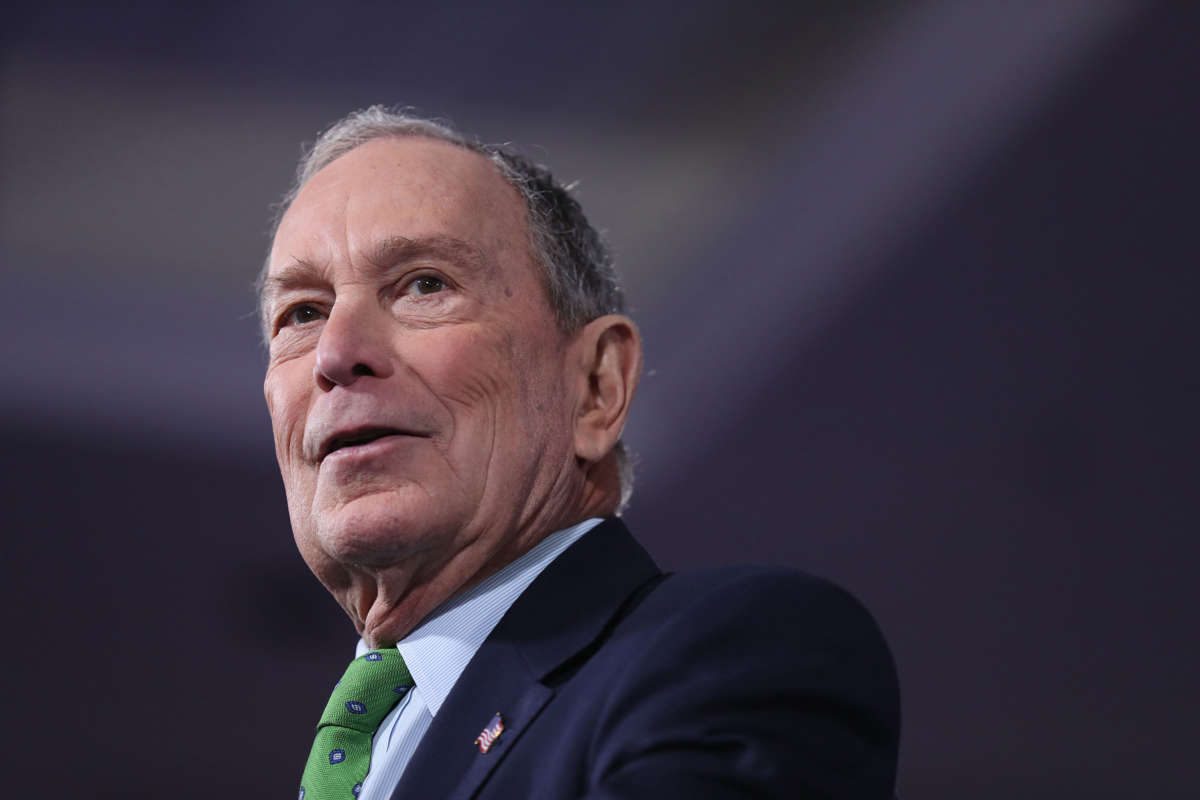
(788, 670)
(739, 592)
(754, 578)
(761, 621)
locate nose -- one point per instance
(353, 345)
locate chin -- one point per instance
(382, 529)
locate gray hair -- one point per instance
(576, 266)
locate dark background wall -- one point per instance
(916, 281)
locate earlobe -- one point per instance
(611, 360)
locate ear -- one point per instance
(608, 352)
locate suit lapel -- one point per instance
(495, 681)
(563, 611)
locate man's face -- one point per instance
(417, 380)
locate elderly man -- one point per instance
(448, 379)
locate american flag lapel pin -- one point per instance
(488, 736)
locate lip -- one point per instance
(367, 449)
(362, 441)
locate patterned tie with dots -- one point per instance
(341, 753)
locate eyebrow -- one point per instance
(388, 253)
(395, 250)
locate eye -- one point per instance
(425, 284)
(300, 315)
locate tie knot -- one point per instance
(368, 691)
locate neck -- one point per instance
(387, 602)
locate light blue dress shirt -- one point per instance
(439, 649)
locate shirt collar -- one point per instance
(439, 649)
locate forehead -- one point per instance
(412, 187)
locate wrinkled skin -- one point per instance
(431, 420)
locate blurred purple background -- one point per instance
(917, 286)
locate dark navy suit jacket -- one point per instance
(613, 680)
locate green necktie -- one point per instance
(341, 753)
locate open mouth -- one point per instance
(360, 437)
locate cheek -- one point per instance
(543, 413)
(529, 399)
(288, 409)
(470, 373)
